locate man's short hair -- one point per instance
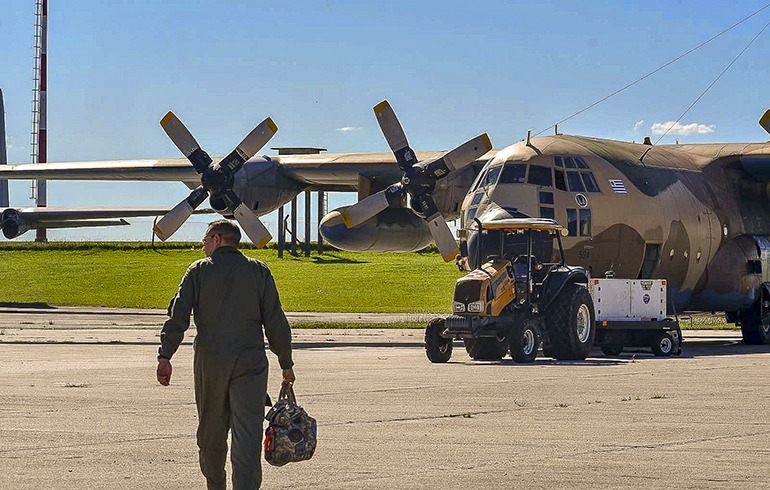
(231, 234)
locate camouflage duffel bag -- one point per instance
(291, 433)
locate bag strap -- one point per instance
(287, 393)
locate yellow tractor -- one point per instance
(518, 293)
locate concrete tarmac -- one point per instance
(80, 408)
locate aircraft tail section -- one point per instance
(4, 198)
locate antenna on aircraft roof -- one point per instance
(529, 133)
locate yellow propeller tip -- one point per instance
(487, 141)
(451, 256)
(381, 106)
(159, 233)
(168, 117)
(271, 124)
(346, 219)
(264, 241)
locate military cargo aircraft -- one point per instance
(697, 215)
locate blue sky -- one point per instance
(450, 69)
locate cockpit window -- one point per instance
(590, 181)
(513, 173)
(540, 175)
(575, 183)
(569, 162)
(558, 162)
(477, 198)
(480, 176)
(561, 184)
(491, 177)
(581, 163)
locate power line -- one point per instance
(659, 69)
(671, 126)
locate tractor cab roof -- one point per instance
(540, 224)
(497, 218)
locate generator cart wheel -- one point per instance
(486, 348)
(437, 348)
(663, 345)
(612, 350)
(523, 342)
(571, 323)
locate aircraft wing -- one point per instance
(331, 171)
(168, 169)
(16, 222)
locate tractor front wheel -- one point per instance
(437, 348)
(523, 342)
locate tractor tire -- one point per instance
(437, 348)
(754, 330)
(571, 323)
(486, 348)
(523, 342)
(664, 344)
(612, 350)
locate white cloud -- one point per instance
(683, 129)
(347, 129)
(638, 125)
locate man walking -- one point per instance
(232, 297)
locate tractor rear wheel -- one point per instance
(571, 324)
(523, 342)
(486, 348)
(437, 348)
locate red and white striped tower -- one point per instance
(39, 106)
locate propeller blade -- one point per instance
(394, 134)
(442, 235)
(252, 226)
(764, 121)
(168, 224)
(251, 144)
(461, 156)
(185, 141)
(370, 206)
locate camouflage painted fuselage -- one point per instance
(696, 215)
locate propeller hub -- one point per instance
(416, 181)
(216, 181)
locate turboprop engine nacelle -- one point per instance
(392, 230)
(13, 224)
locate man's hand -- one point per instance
(288, 376)
(164, 372)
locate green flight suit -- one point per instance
(231, 296)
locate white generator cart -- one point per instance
(632, 313)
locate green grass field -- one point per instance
(133, 275)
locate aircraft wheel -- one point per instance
(663, 345)
(437, 348)
(523, 342)
(612, 350)
(486, 348)
(754, 330)
(571, 322)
